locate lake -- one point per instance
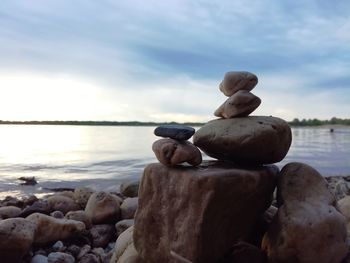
(104, 156)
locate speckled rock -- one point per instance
(171, 152)
(175, 131)
(129, 207)
(240, 104)
(81, 216)
(62, 203)
(249, 140)
(205, 229)
(39, 259)
(16, 238)
(123, 225)
(57, 214)
(237, 80)
(102, 234)
(9, 212)
(51, 229)
(40, 206)
(82, 195)
(307, 227)
(60, 257)
(130, 189)
(103, 208)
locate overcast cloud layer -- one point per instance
(163, 60)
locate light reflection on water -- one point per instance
(103, 156)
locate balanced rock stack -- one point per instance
(176, 149)
(210, 211)
(242, 139)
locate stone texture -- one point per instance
(103, 208)
(81, 216)
(237, 80)
(60, 257)
(62, 203)
(199, 212)
(129, 207)
(39, 259)
(240, 104)
(9, 212)
(57, 214)
(51, 229)
(171, 152)
(16, 238)
(344, 207)
(174, 131)
(82, 195)
(40, 206)
(307, 227)
(130, 189)
(123, 225)
(250, 140)
(102, 234)
(125, 251)
(243, 252)
(89, 258)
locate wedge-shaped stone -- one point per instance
(199, 213)
(237, 80)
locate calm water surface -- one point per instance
(104, 156)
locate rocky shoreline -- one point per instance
(94, 243)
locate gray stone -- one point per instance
(102, 234)
(128, 208)
(175, 131)
(57, 214)
(58, 246)
(123, 225)
(39, 259)
(246, 140)
(130, 189)
(59, 257)
(82, 195)
(199, 212)
(9, 212)
(237, 80)
(89, 258)
(40, 206)
(83, 251)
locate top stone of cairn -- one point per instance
(237, 80)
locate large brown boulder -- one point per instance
(308, 226)
(199, 213)
(16, 238)
(49, 229)
(252, 140)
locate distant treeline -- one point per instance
(316, 122)
(99, 123)
(295, 122)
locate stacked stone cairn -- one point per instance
(220, 210)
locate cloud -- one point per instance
(163, 60)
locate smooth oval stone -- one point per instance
(246, 140)
(175, 131)
(237, 80)
(240, 104)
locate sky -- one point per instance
(163, 60)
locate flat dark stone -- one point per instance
(174, 131)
